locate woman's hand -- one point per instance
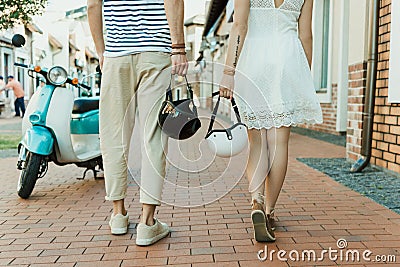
(226, 86)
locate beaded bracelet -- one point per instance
(230, 72)
(178, 53)
(178, 46)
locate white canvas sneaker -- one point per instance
(119, 224)
(148, 235)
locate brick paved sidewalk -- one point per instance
(65, 222)
(6, 120)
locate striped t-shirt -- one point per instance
(135, 26)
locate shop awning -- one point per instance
(214, 12)
(54, 42)
(34, 28)
(213, 18)
(73, 45)
(90, 54)
(5, 40)
(197, 20)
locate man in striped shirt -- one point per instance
(144, 38)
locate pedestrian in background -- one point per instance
(271, 45)
(134, 62)
(2, 84)
(19, 94)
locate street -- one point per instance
(65, 221)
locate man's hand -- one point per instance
(226, 86)
(101, 60)
(174, 10)
(179, 65)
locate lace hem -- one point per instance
(259, 127)
(267, 119)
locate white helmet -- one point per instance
(227, 142)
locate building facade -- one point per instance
(342, 58)
(9, 55)
(62, 40)
(386, 134)
(345, 67)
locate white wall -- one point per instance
(43, 54)
(194, 7)
(197, 44)
(335, 42)
(60, 30)
(358, 37)
(394, 61)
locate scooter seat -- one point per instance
(82, 105)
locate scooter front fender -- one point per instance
(38, 140)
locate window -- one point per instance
(325, 45)
(7, 60)
(21, 55)
(322, 49)
(21, 73)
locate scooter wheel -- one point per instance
(29, 175)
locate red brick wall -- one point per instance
(386, 136)
(329, 114)
(356, 97)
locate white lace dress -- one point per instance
(273, 85)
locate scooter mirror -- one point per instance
(18, 40)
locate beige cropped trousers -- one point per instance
(133, 84)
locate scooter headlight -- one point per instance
(57, 75)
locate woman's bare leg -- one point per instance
(257, 170)
(257, 166)
(277, 139)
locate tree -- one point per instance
(14, 12)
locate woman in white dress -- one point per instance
(268, 64)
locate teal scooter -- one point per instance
(57, 127)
